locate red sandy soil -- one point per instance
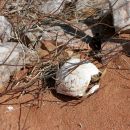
(108, 109)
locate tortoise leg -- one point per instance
(92, 90)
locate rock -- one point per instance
(52, 6)
(88, 7)
(63, 37)
(121, 15)
(52, 33)
(5, 29)
(33, 36)
(14, 56)
(74, 77)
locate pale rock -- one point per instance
(121, 15)
(14, 56)
(83, 5)
(5, 29)
(56, 32)
(33, 36)
(10, 108)
(52, 6)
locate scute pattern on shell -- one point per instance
(74, 77)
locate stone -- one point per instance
(52, 6)
(13, 56)
(5, 29)
(121, 15)
(89, 7)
